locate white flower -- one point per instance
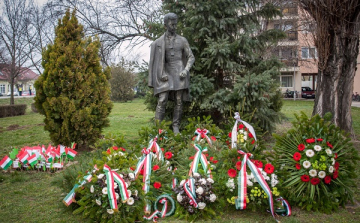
(245, 138)
(115, 185)
(241, 131)
(122, 176)
(322, 174)
(100, 176)
(274, 182)
(200, 190)
(117, 196)
(98, 202)
(310, 153)
(212, 167)
(167, 163)
(313, 173)
(333, 161)
(136, 193)
(169, 168)
(251, 176)
(131, 176)
(110, 211)
(129, 192)
(306, 164)
(196, 175)
(120, 153)
(230, 184)
(331, 169)
(317, 148)
(92, 189)
(130, 201)
(104, 190)
(212, 197)
(249, 183)
(128, 183)
(182, 182)
(328, 151)
(274, 176)
(202, 181)
(179, 197)
(201, 205)
(210, 180)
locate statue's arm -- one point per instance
(189, 58)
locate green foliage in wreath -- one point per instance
(318, 164)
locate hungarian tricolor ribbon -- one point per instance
(111, 178)
(202, 133)
(286, 204)
(200, 157)
(70, 197)
(158, 213)
(240, 202)
(235, 128)
(189, 188)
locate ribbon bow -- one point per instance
(234, 130)
(200, 157)
(240, 202)
(112, 176)
(163, 199)
(203, 134)
(189, 188)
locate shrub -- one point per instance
(73, 91)
(12, 110)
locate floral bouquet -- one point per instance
(245, 139)
(317, 161)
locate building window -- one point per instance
(308, 53)
(286, 81)
(2, 88)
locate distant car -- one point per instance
(307, 92)
(15, 93)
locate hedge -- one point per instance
(12, 110)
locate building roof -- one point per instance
(26, 73)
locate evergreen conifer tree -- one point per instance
(73, 91)
(229, 44)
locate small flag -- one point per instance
(32, 159)
(71, 153)
(23, 157)
(62, 150)
(5, 163)
(73, 145)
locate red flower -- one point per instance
(238, 157)
(238, 165)
(132, 168)
(298, 166)
(252, 142)
(162, 149)
(335, 174)
(319, 139)
(168, 155)
(156, 167)
(301, 147)
(211, 158)
(241, 126)
(229, 134)
(315, 181)
(108, 151)
(191, 158)
(213, 138)
(305, 178)
(251, 135)
(329, 145)
(337, 165)
(215, 161)
(227, 142)
(123, 149)
(297, 156)
(327, 179)
(269, 168)
(142, 172)
(258, 163)
(157, 185)
(206, 154)
(312, 140)
(232, 173)
(115, 148)
(336, 156)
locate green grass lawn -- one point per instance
(30, 196)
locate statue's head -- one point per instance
(170, 22)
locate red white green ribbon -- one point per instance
(234, 131)
(70, 197)
(189, 189)
(112, 176)
(286, 204)
(200, 158)
(202, 133)
(240, 202)
(5, 163)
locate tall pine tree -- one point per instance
(73, 91)
(229, 42)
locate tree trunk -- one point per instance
(335, 82)
(12, 101)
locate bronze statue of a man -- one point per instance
(170, 61)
